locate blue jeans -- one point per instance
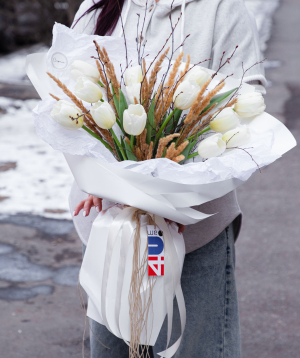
(209, 288)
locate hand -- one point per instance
(180, 226)
(87, 204)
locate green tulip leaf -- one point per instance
(150, 121)
(129, 153)
(122, 105)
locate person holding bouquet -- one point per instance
(208, 280)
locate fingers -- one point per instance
(180, 228)
(87, 206)
(168, 221)
(78, 208)
(97, 203)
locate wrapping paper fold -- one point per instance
(164, 198)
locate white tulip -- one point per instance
(212, 146)
(250, 105)
(225, 120)
(81, 68)
(186, 94)
(103, 115)
(133, 91)
(63, 111)
(198, 74)
(237, 137)
(134, 119)
(133, 75)
(87, 90)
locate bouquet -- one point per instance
(155, 135)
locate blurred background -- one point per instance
(40, 253)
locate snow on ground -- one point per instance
(12, 67)
(41, 181)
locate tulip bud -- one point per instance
(250, 105)
(212, 146)
(134, 119)
(237, 137)
(63, 112)
(225, 120)
(81, 68)
(133, 75)
(133, 91)
(103, 115)
(186, 94)
(87, 90)
(198, 74)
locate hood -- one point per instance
(165, 9)
(165, 3)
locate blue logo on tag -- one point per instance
(155, 245)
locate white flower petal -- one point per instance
(81, 68)
(198, 74)
(237, 137)
(225, 120)
(133, 91)
(186, 94)
(63, 112)
(87, 90)
(133, 75)
(212, 146)
(134, 119)
(250, 105)
(103, 115)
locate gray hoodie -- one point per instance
(214, 26)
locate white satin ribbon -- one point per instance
(113, 232)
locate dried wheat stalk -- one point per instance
(170, 151)
(198, 103)
(100, 132)
(187, 66)
(52, 95)
(150, 152)
(163, 142)
(154, 72)
(172, 85)
(106, 85)
(138, 154)
(110, 70)
(145, 89)
(179, 158)
(195, 117)
(165, 96)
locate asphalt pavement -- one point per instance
(268, 250)
(40, 258)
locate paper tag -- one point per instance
(156, 256)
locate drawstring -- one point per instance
(182, 20)
(149, 20)
(182, 23)
(125, 17)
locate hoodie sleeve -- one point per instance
(85, 24)
(235, 26)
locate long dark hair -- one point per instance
(109, 16)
